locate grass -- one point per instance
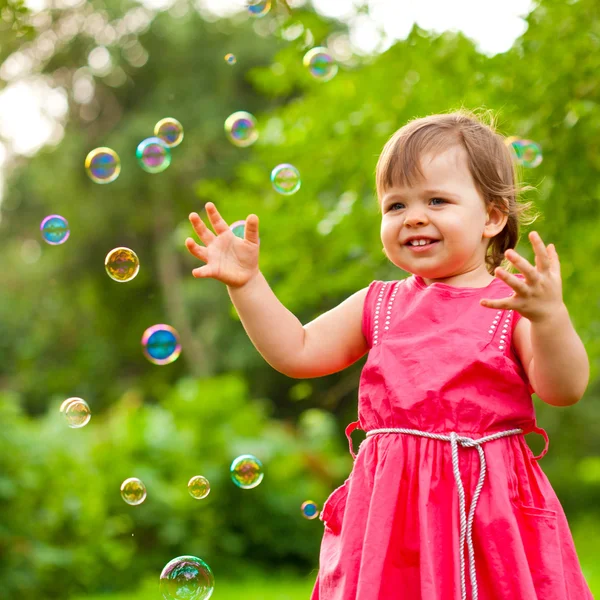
(273, 588)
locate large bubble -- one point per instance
(186, 578)
(285, 179)
(320, 64)
(246, 471)
(103, 165)
(161, 344)
(153, 155)
(240, 128)
(122, 264)
(55, 230)
(170, 131)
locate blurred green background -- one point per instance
(66, 329)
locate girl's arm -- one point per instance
(328, 344)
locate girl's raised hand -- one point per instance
(539, 296)
(228, 258)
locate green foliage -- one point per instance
(68, 524)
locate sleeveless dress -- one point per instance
(439, 362)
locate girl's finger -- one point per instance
(204, 233)
(217, 221)
(196, 249)
(201, 272)
(499, 304)
(251, 229)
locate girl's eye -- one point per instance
(397, 203)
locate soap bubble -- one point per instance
(55, 230)
(133, 491)
(309, 510)
(103, 165)
(186, 578)
(198, 487)
(161, 344)
(170, 131)
(239, 229)
(240, 128)
(153, 155)
(246, 471)
(76, 411)
(320, 64)
(122, 264)
(259, 8)
(285, 179)
(230, 59)
(528, 153)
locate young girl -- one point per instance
(445, 500)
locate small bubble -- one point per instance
(320, 64)
(309, 510)
(55, 230)
(153, 155)
(230, 59)
(170, 131)
(76, 411)
(198, 487)
(246, 471)
(103, 165)
(122, 264)
(133, 491)
(285, 179)
(259, 8)
(161, 344)
(240, 128)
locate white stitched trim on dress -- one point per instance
(504, 326)
(389, 309)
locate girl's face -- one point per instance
(447, 206)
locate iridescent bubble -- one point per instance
(186, 578)
(55, 230)
(103, 165)
(122, 264)
(239, 229)
(240, 128)
(259, 8)
(161, 344)
(320, 64)
(529, 154)
(170, 131)
(246, 471)
(198, 487)
(153, 155)
(76, 411)
(133, 491)
(285, 179)
(230, 59)
(309, 510)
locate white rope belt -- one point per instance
(466, 525)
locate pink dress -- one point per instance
(441, 363)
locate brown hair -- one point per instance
(490, 161)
